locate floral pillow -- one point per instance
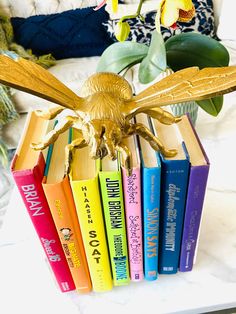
(203, 23)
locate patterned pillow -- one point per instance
(203, 22)
(73, 33)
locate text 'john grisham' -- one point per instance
(116, 219)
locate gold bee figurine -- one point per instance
(104, 112)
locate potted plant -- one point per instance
(176, 53)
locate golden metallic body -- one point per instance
(104, 112)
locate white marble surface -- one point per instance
(27, 285)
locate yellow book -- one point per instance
(85, 188)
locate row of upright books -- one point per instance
(98, 226)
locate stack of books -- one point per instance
(98, 226)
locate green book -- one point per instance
(113, 207)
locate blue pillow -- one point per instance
(202, 22)
(73, 33)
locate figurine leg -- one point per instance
(163, 116)
(126, 158)
(111, 136)
(93, 136)
(103, 136)
(69, 149)
(49, 113)
(155, 143)
(52, 136)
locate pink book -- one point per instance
(28, 170)
(132, 199)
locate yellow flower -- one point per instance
(176, 10)
(122, 31)
(114, 5)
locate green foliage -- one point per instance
(179, 52)
(155, 62)
(212, 106)
(193, 49)
(121, 55)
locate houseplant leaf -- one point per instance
(211, 106)
(193, 49)
(118, 56)
(155, 61)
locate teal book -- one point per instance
(174, 182)
(151, 183)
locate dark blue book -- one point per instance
(174, 182)
(151, 179)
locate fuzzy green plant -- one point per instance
(4, 161)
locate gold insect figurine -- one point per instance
(104, 113)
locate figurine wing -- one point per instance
(184, 85)
(31, 78)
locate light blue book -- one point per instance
(151, 180)
(174, 182)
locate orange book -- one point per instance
(61, 203)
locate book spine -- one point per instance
(193, 212)
(62, 207)
(88, 206)
(151, 220)
(29, 185)
(132, 201)
(113, 206)
(173, 196)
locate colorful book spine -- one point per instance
(194, 204)
(28, 182)
(173, 196)
(113, 206)
(89, 209)
(151, 219)
(61, 204)
(198, 175)
(151, 182)
(133, 213)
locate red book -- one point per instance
(28, 170)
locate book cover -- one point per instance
(198, 175)
(113, 208)
(151, 184)
(27, 169)
(58, 192)
(85, 188)
(174, 181)
(133, 211)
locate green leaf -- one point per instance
(155, 61)
(193, 49)
(211, 106)
(120, 55)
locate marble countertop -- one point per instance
(27, 285)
